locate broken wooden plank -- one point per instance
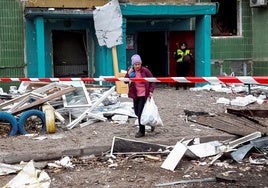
(249, 112)
(19, 98)
(45, 99)
(174, 156)
(27, 99)
(229, 123)
(50, 87)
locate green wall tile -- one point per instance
(11, 40)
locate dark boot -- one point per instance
(177, 86)
(185, 86)
(141, 132)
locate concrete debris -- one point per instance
(243, 101)
(9, 169)
(64, 162)
(225, 88)
(259, 90)
(83, 106)
(30, 177)
(120, 119)
(214, 148)
(223, 100)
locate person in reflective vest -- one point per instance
(183, 59)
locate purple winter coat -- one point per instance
(149, 86)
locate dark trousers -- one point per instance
(182, 70)
(138, 104)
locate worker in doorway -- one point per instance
(183, 59)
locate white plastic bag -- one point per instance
(150, 115)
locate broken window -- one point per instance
(226, 22)
(77, 98)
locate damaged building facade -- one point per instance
(46, 38)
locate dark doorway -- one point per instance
(153, 51)
(69, 53)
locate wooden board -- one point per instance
(121, 87)
(174, 157)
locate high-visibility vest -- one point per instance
(180, 52)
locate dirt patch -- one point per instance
(95, 170)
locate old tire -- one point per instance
(49, 118)
(25, 115)
(7, 117)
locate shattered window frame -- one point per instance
(77, 98)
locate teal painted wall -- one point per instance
(31, 50)
(99, 57)
(202, 59)
(12, 62)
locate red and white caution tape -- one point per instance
(220, 79)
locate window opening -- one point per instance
(225, 22)
(70, 53)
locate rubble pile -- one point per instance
(37, 108)
(42, 107)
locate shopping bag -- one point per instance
(150, 115)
